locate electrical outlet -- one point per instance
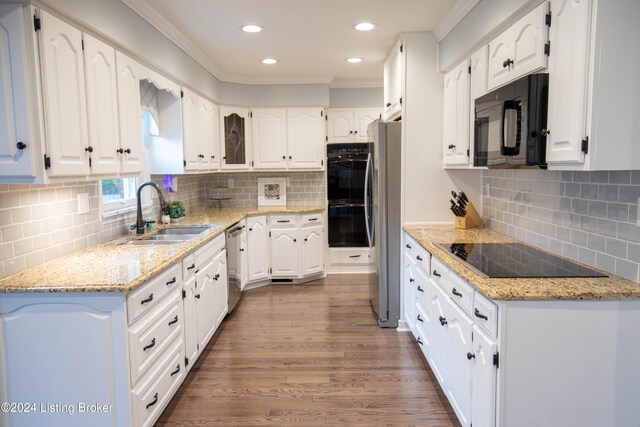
(230, 183)
(83, 203)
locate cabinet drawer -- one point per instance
(420, 318)
(439, 272)
(460, 292)
(410, 245)
(283, 221)
(210, 249)
(351, 256)
(311, 219)
(188, 266)
(149, 295)
(151, 396)
(149, 336)
(485, 314)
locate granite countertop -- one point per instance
(116, 267)
(592, 288)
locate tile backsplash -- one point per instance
(587, 216)
(39, 223)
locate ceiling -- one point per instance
(310, 39)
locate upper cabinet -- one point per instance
(304, 138)
(64, 97)
(393, 74)
(456, 115)
(520, 49)
(235, 137)
(477, 88)
(17, 143)
(200, 132)
(130, 149)
(593, 89)
(270, 138)
(350, 125)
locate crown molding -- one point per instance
(452, 18)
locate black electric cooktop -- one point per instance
(501, 260)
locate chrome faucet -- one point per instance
(139, 220)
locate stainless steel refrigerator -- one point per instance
(383, 220)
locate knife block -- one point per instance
(471, 220)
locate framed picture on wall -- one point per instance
(272, 191)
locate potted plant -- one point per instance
(175, 210)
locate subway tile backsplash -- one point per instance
(587, 216)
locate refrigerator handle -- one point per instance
(366, 201)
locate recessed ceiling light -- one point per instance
(251, 28)
(353, 60)
(269, 61)
(364, 26)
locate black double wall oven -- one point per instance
(346, 169)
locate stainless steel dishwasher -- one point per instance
(234, 266)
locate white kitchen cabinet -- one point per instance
(64, 97)
(304, 138)
(393, 76)
(190, 131)
(102, 106)
(190, 320)
(483, 397)
(221, 288)
(235, 138)
(312, 250)
(269, 138)
(477, 88)
(17, 143)
(200, 132)
(207, 136)
(258, 255)
(244, 260)
(350, 125)
(205, 305)
(128, 79)
(285, 252)
(519, 50)
(409, 290)
(456, 116)
(437, 308)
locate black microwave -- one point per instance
(510, 124)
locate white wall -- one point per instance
(274, 95)
(427, 187)
(477, 25)
(357, 97)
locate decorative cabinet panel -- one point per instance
(393, 75)
(235, 137)
(16, 141)
(285, 252)
(456, 116)
(483, 397)
(190, 320)
(313, 250)
(129, 114)
(350, 125)
(258, 248)
(64, 97)
(102, 106)
(200, 132)
(519, 50)
(220, 288)
(270, 138)
(304, 138)
(361, 121)
(190, 137)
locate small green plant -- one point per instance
(174, 209)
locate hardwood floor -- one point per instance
(309, 354)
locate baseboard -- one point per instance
(351, 269)
(402, 326)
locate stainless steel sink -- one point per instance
(148, 242)
(172, 237)
(182, 230)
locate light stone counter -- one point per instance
(607, 288)
(117, 267)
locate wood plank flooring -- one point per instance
(309, 354)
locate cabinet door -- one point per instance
(190, 130)
(244, 271)
(214, 148)
(221, 288)
(499, 53)
(190, 320)
(14, 110)
(284, 252)
(102, 106)
(257, 248)
(205, 296)
(529, 38)
(393, 83)
(312, 250)
(206, 116)
(456, 115)
(269, 138)
(568, 79)
(64, 98)
(362, 119)
(129, 114)
(477, 88)
(304, 138)
(409, 290)
(437, 301)
(459, 368)
(483, 398)
(235, 137)
(340, 126)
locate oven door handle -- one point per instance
(366, 202)
(346, 205)
(515, 105)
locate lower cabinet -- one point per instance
(257, 248)
(285, 255)
(312, 250)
